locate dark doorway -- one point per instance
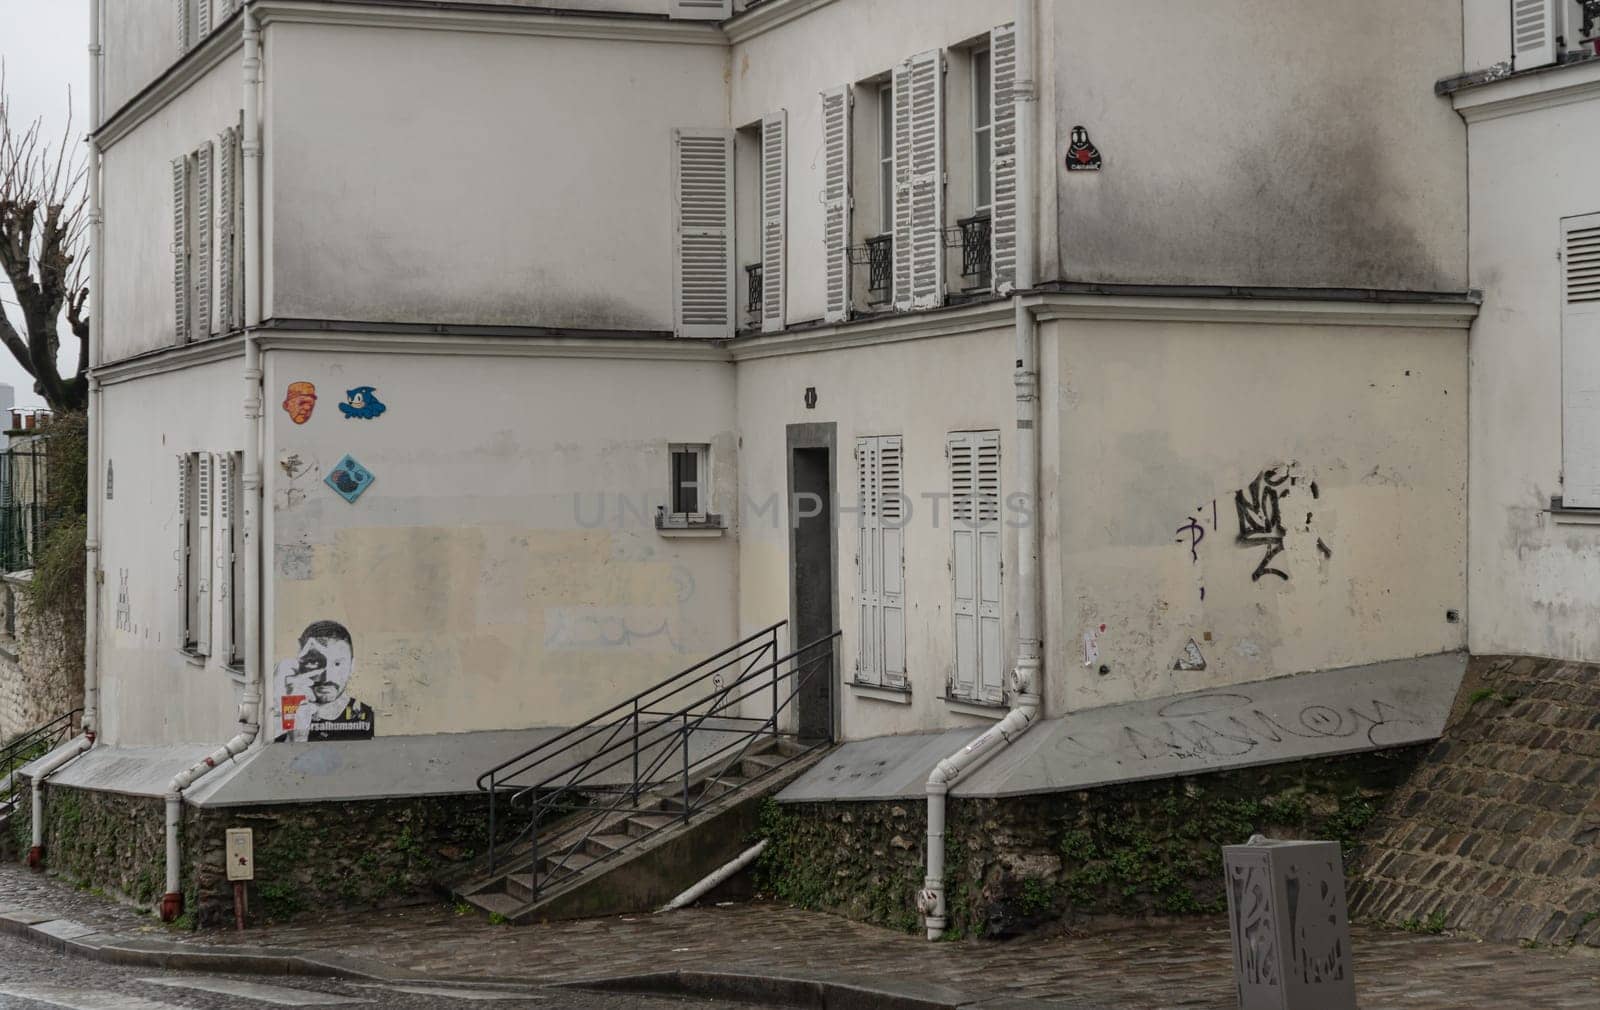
(811, 510)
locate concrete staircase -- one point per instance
(594, 862)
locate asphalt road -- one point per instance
(35, 978)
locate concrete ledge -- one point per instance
(822, 992)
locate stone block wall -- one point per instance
(1142, 850)
(1498, 833)
(41, 672)
(310, 858)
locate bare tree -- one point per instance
(43, 221)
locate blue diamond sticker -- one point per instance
(349, 478)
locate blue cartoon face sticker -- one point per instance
(349, 478)
(362, 402)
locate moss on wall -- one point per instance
(309, 857)
(1138, 850)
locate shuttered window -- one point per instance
(774, 210)
(880, 562)
(703, 232)
(201, 228)
(230, 273)
(1003, 157)
(1580, 361)
(919, 182)
(836, 201)
(1534, 27)
(181, 174)
(974, 458)
(195, 514)
(701, 10)
(230, 563)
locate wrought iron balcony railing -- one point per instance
(755, 291)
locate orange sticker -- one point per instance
(291, 705)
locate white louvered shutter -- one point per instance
(223, 586)
(701, 10)
(892, 560)
(203, 15)
(185, 549)
(975, 564)
(1534, 27)
(836, 200)
(204, 505)
(202, 251)
(1580, 361)
(702, 164)
(180, 248)
(919, 182)
(185, 30)
(227, 231)
(1003, 155)
(774, 214)
(868, 669)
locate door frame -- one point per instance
(815, 435)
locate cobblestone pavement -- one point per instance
(1147, 968)
(33, 978)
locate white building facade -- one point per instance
(522, 343)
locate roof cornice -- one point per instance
(1547, 89)
(488, 19)
(1440, 313)
(224, 41)
(768, 16)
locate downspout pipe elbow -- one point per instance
(249, 717)
(44, 771)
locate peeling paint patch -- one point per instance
(295, 562)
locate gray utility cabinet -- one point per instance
(1290, 925)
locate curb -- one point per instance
(822, 992)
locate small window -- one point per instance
(689, 483)
(886, 158)
(233, 495)
(982, 133)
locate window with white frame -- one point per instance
(975, 566)
(191, 244)
(1580, 362)
(885, 159)
(881, 514)
(982, 133)
(230, 564)
(195, 507)
(689, 487)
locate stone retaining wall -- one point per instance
(1498, 833)
(41, 673)
(1150, 849)
(309, 858)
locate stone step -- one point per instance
(755, 765)
(640, 825)
(497, 903)
(601, 845)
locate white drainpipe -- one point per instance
(44, 771)
(250, 705)
(92, 573)
(1027, 678)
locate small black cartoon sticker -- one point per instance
(1082, 155)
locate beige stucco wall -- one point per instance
(150, 692)
(138, 208)
(921, 390)
(1157, 422)
(1259, 143)
(1534, 587)
(484, 583)
(477, 178)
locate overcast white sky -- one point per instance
(45, 46)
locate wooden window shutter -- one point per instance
(836, 201)
(774, 213)
(180, 248)
(701, 10)
(1534, 27)
(703, 289)
(919, 182)
(223, 585)
(868, 669)
(892, 560)
(1003, 154)
(227, 239)
(203, 226)
(184, 548)
(204, 506)
(1580, 361)
(975, 565)
(185, 30)
(203, 15)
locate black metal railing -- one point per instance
(754, 291)
(880, 268)
(666, 751)
(976, 249)
(30, 746)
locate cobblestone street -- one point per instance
(1147, 968)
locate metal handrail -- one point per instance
(768, 632)
(548, 796)
(654, 737)
(29, 746)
